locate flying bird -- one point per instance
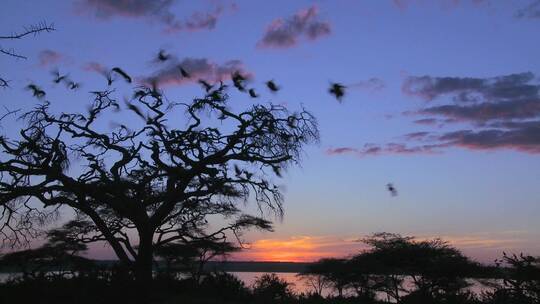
(59, 78)
(121, 72)
(73, 85)
(206, 85)
(36, 91)
(272, 86)
(162, 56)
(338, 90)
(135, 109)
(238, 81)
(391, 189)
(109, 78)
(252, 93)
(184, 72)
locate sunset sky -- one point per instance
(442, 101)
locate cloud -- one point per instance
(485, 111)
(469, 89)
(95, 67)
(501, 112)
(426, 121)
(373, 84)
(198, 68)
(404, 4)
(304, 25)
(531, 11)
(50, 57)
(372, 149)
(523, 137)
(156, 10)
(417, 135)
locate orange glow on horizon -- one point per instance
(297, 249)
(482, 246)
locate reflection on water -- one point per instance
(301, 287)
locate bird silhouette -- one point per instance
(252, 93)
(135, 109)
(184, 73)
(206, 85)
(73, 85)
(59, 78)
(162, 56)
(121, 72)
(238, 81)
(109, 78)
(36, 91)
(338, 90)
(391, 189)
(272, 86)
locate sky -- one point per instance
(442, 100)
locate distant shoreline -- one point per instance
(227, 266)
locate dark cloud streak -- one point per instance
(155, 10)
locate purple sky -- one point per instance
(442, 100)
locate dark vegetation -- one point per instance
(394, 269)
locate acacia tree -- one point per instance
(27, 31)
(157, 179)
(192, 257)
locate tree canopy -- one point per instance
(157, 177)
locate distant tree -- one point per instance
(225, 287)
(157, 178)
(317, 283)
(366, 275)
(334, 272)
(192, 257)
(269, 288)
(28, 31)
(437, 270)
(520, 280)
(58, 257)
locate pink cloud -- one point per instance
(304, 25)
(50, 57)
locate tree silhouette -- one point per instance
(332, 271)
(437, 270)
(157, 179)
(27, 31)
(269, 288)
(520, 280)
(58, 257)
(191, 257)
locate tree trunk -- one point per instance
(144, 262)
